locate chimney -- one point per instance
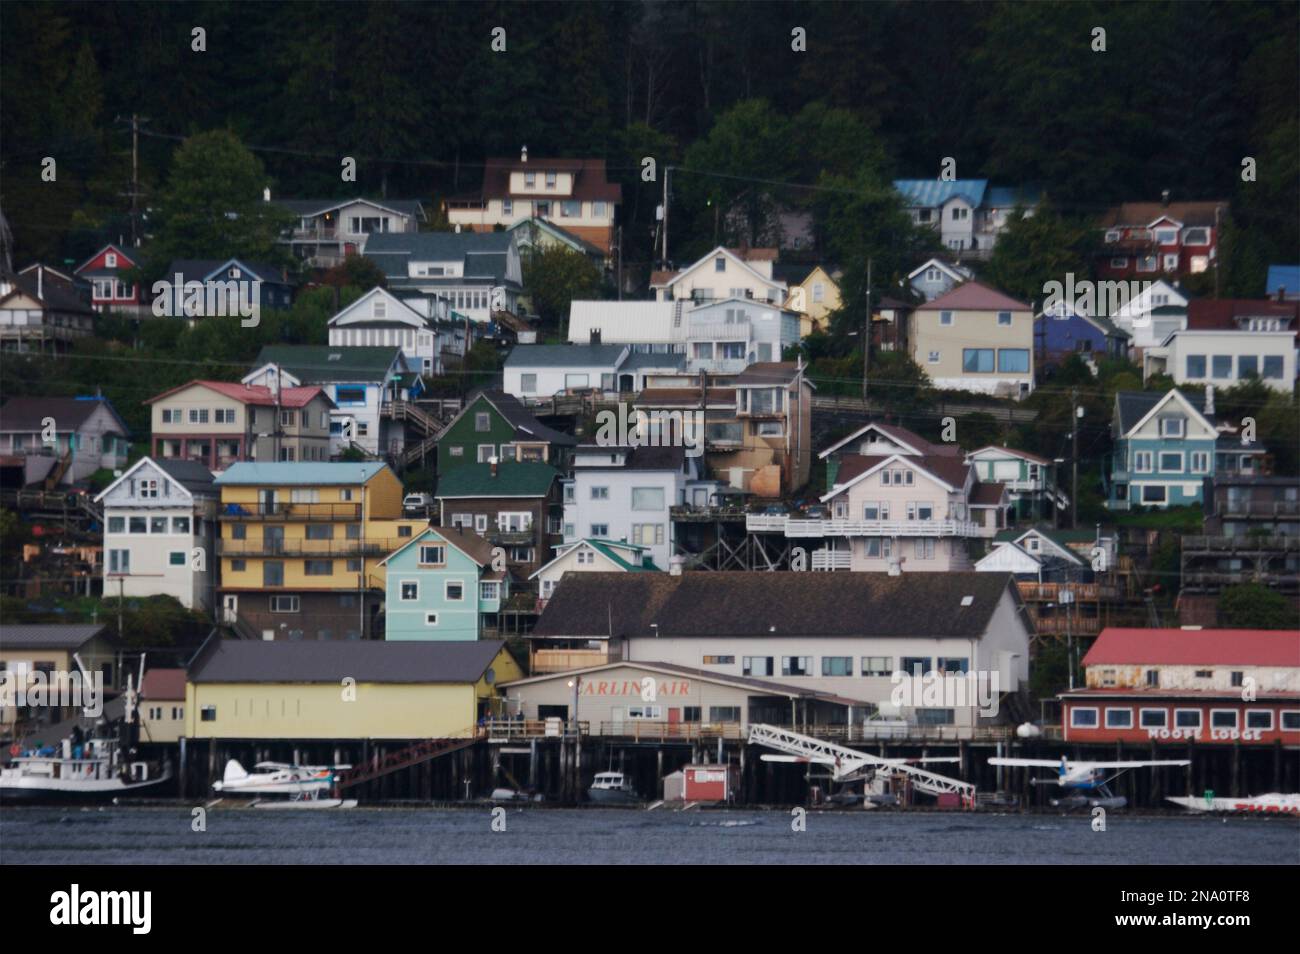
(523, 154)
(1209, 400)
(595, 336)
(1164, 198)
(40, 273)
(266, 194)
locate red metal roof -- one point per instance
(251, 393)
(1232, 647)
(163, 684)
(972, 296)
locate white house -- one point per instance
(379, 318)
(326, 231)
(591, 556)
(723, 273)
(936, 277)
(1225, 358)
(477, 274)
(159, 531)
(1149, 317)
(728, 336)
(534, 372)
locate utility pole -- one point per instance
(620, 263)
(1076, 413)
(668, 171)
(136, 121)
(866, 339)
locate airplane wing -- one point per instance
(1031, 763)
(273, 765)
(1115, 765)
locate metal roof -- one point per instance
(48, 635)
(281, 661)
(299, 473)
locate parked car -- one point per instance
(417, 503)
(775, 510)
(816, 512)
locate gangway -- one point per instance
(849, 764)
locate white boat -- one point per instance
(97, 769)
(300, 782)
(1270, 804)
(613, 788)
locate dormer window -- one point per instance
(1172, 427)
(110, 260)
(233, 273)
(1113, 235)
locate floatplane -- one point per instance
(1084, 777)
(303, 785)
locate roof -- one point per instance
(518, 417)
(684, 397)
(71, 636)
(564, 355)
(200, 269)
(257, 394)
(310, 207)
(316, 364)
(299, 473)
(466, 541)
(590, 180)
(987, 495)
(973, 296)
(1062, 538)
(932, 193)
(577, 241)
(1208, 314)
(1005, 197)
(768, 372)
(899, 435)
(761, 604)
(952, 470)
(54, 295)
(609, 549)
(954, 271)
(768, 686)
(1282, 278)
(512, 479)
(1142, 214)
(641, 457)
(69, 413)
(1009, 451)
(484, 256)
(639, 360)
(331, 661)
(190, 474)
(1227, 647)
(640, 321)
(1133, 406)
(163, 684)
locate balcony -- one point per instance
(795, 527)
(291, 511)
(1245, 544)
(720, 330)
(319, 233)
(546, 661)
(832, 560)
(1258, 508)
(310, 548)
(1082, 592)
(512, 537)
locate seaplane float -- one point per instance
(297, 786)
(1079, 778)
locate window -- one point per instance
(176, 558)
(945, 318)
(508, 206)
(1167, 236)
(600, 530)
(645, 712)
(1196, 365)
(1200, 462)
(648, 534)
(1223, 718)
(876, 510)
(570, 209)
(430, 619)
(1142, 462)
(119, 561)
(1153, 493)
(925, 548)
(756, 665)
(1171, 462)
(486, 452)
(1221, 366)
(528, 383)
(1153, 678)
(795, 665)
(1119, 262)
(953, 665)
(410, 590)
(1261, 719)
(576, 380)
(837, 665)
(454, 591)
(273, 573)
(877, 665)
(1273, 366)
(284, 604)
(432, 555)
(1290, 720)
(1013, 360)
(719, 660)
(934, 716)
(719, 264)
(724, 713)
(1196, 236)
(934, 357)
(599, 493)
(877, 547)
(1083, 718)
(1153, 718)
(550, 180)
(915, 665)
(1247, 366)
(1004, 319)
(1187, 718)
(208, 714)
(977, 360)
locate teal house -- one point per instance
(442, 586)
(1164, 449)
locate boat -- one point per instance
(299, 783)
(613, 788)
(1273, 803)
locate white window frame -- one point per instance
(1074, 717)
(446, 591)
(1118, 710)
(401, 591)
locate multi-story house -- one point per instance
(51, 650)
(218, 423)
(936, 277)
(590, 556)
(63, 440)
(366, 385)
(109, 288)
(274, 290)
(514, 506)
(329, 230)
(493, 424)
(1149, 687)
(841, 633)
(975, 339)
(1154, 239)
(1225, 358)
(534, 235)
(302, 544)
(476, 274)
(814, 297)
(575, 194)
(723, 273)
(540, 371)
(896, 503)
(968, 214)
(442, 585)
(422, 328)
(159, 532)
(626, 494)
(42, 314)
(1164, 449)
(1030, 480)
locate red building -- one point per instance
(1179, 685)
(109, 291)
(1151, 240)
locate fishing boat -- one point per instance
(613, 788)
(1271, 804)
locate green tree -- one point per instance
(355, 271)
(1252, 606)
(556, 276)
(1036, 249)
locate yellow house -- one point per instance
(814, 298)
(349, 690)
(162, 705)
(48, 649)
(300, 547)
(975, 338)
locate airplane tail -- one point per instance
(234, 772)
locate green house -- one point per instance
(444, 585)
(495, 424)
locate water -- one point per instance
(163, 835)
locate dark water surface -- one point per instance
(163, 835)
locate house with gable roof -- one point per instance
(109, 291)
(274, 288)
(723, 273)
(975, 338)
(476, 273)
(968, 214)
(329, 230)
(422, 327)
(1030, 480)
(63, 440)
(1151, 239)
(936, 277)
(494, 424)
(442, 585)
(590, 555)
(1165, 447)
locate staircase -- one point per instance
(415, 754)
(57, 471)
(429, 427)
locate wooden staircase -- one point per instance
(416, 754)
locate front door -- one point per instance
(229, 608)
(273, 537)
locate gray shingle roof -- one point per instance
(311, 207)
(48, 635)
(190, 474)
(331, 661)
(69, 413)
(316, 364)
(483, 254)
(514, 412)
(564, 355)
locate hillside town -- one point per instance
(582, 459)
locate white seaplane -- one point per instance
(302, 784)
(1085, 777)
(1271, 804)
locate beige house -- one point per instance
(723, 273)
(219, 423)
(53, 650)
(162, 705)
(976, 339)
(814, 299)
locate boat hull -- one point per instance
(613, 796)
(43, 791)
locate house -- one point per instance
(1157, 310)
(1049, 555)
(534, 235)
(895, 503)
(301, 547)
(814, 297)
(105, 271)
(1030, 480)
(403, 691)
(63, 440)
(364, 383)
(968, 214)
(723, 273)
(270, 286)
(476, 274)
(443, 585)
(218, 423)
(516, 506)
(591, 556)
(41, 315)
(626, 494)
(160, 521)
(651, 327)
(1063, 330)
(493, 424)
(327, 231)
(51, 650)
(540, 371)
(162, 706)
(575, 194)
(936, 277)
(1283, 283)
(890, 319)
(1151, 687)
(1164, 448)
(422, 328)
(976, 339)
(1225, 358)
(842, 633)
(1152, 239)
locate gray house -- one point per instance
(476, 273)
(63, 440)
(936, 277)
